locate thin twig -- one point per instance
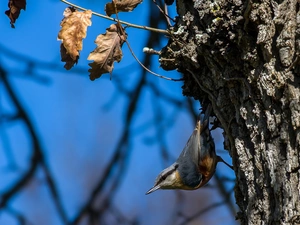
(168, 18)
(54, 192)
(219, 158)
(122, 22)
(167, 13)
(142, 65)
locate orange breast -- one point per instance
(207, 169)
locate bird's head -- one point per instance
(169, 178)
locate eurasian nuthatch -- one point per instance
(195, 165)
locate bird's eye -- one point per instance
(162, 178)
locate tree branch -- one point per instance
(120, 21)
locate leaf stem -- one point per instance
(122, 22)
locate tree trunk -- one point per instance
(243, 57)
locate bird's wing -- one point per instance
(191, 150)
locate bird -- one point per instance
(197, 162)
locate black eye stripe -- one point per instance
(164, 176)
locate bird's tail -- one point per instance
(202, 123)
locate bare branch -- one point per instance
(37, 157)
(122, 22)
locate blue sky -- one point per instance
(79, 122)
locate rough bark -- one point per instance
(243, 57)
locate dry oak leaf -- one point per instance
(65, 57)
(73, 30)
(107, 51)
(15, 7)
(122, 6)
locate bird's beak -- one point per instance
(153, 189)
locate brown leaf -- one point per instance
(107, 51)
(15, 7)
(65, 57)
(122, 6)
(73, 30)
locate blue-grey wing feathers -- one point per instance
(192, 153)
